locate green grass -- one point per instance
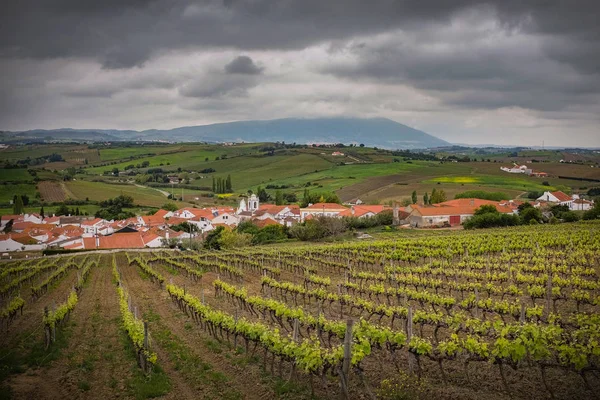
(140, 385)
(15, 175)
(508, 182)
(49, 210)
(7, 191)
(344, 175)
(100, 191)
(120, 153)
(187, 362)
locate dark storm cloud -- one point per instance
(272, 57)
(243, 65)
(125, 34)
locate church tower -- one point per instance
(253, 203)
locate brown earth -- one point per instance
(147, 296)
(92, 365)
(52, 191)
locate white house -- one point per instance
(517, 169)
(322, 209)
(581, 205)
(558, 197)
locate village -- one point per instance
(33, 232)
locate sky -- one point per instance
(518, 72)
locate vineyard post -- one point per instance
(409, 333)
(47, 330)
(476, 303)
(548, 295)
(295, 339)
(522, 318)
(146, 335)
(235, 336)
(345, 372)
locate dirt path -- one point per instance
(30, 323)
(92, 366)
(163, 192)
(242, 380)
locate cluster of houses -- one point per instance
(33, 232)
(524, 169)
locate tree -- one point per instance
(279, 198)
(414, 197)
(62, 210)
(212, 239)
(361, 145)
(115, 171)
(42, 213)
(437, 196)
(529, 214)
(487, 209)
(263, 195)
(18, 205)
(290, 197)
(214, 186)
(425, 199)
(169, 207)
(228, 187)
(594, 213)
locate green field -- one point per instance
(7, 191)
(366, 173)
(15, 175)
(98, 191)
(508, 182)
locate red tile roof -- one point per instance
(153, 220)
(562, 196)
(326, 206)
(460, 209)
(161, 213)
(91, 222)
(261, 223)
(117, 241)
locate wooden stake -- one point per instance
(345, 371)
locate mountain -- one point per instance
(378, 132)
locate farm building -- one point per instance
(557, 198)
(322, 209)
(449, 213)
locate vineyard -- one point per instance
(508, 313)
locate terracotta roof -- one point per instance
(52, 220)
(91, 222)
(22, 238)
(117, 241)
(472, 202)
(153, 220)
(326, 206)
(150, 237)
(13, 217)
(457, 210)
(562, 196)
(69, 231)
(21, 226)
(360, 210)
(74, 246)
(177, 220)
(261, 223)
(161, 213)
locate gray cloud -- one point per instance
(441, 65)
(243, 65)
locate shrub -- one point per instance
(569, 216)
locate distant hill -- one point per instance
(379, 132)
